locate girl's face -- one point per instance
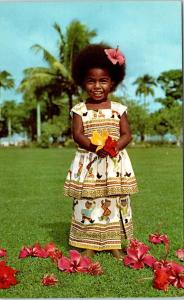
(98, 84)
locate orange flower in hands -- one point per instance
(106, 145)
(99, 139)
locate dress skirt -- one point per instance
(101, 223)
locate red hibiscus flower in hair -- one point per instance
(137, 255)
(49, 279)
(115, 56)
(110, 146)
(7, 276)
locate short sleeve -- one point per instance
(123, 110)
(79, 109)
(120, 108)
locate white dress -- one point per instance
(102, 216)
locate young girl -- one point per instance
(99, 183)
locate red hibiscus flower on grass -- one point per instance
(137, 255)
(166, 273)
(34, 251)
(157, 238)
(110, 146)
(176, 277)
(49, 279)
(78, 263)
(50, 250)
(7, 276)
(161, 279)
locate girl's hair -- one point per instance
(94, 56)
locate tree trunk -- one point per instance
(142, 137)
(38, 116)
(9, 129)
(178, 142)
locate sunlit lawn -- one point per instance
(33, 209)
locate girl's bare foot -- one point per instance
(117, 253)
(88, 252)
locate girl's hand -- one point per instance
(117, 150)
(102, 153)
(92, 148)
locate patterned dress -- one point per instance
(100, 187)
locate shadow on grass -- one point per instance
(59, 233)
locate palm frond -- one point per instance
(47, 56)
(58, 29)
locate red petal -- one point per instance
(110, 146)
(85, 262)
(95, 269)
(3, 253)
(75, 256)
(38, 251)
(161, 280)
(25, 251)
(133, 263)
(49, 279)
(176, 267)
(149, 260)
(141, 250)
(7, 276)
(132, 253)
(50, 247)
(57, 254)
(64, 264)
(157, 238)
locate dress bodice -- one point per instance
(101, 119)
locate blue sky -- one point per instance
(148, 32)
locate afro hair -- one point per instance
(94, 56)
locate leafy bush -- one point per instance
(69, 143)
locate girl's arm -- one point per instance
(78, 134)
(125, 133)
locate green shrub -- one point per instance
(69, 143)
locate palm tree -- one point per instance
(8, 111)
(33, 88)
(55, 80)
(145, 86)
(59, 70)
(6, 82)
(74, 42)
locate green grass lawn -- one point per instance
(34, 209)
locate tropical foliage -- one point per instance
(48, 94)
